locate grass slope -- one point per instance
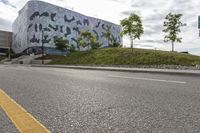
(125, 56)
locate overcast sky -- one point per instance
(152, 13)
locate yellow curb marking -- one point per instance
(23, 120)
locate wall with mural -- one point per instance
(56, 21)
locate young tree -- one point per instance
(132, 26)
(61, 44)
(172, 25)
(88, 39)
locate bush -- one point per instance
(88, 39)
(72, 48)
(61, 44)
(114, 44)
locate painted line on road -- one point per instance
(23, 120)
(148, 79)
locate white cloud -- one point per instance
(152, 13)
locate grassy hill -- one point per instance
(125, 56)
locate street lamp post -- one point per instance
(42, 48)
(9, 48)
(9, 52)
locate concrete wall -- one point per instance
(20, 32)
(5, 41)
(56, 21)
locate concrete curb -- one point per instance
(134, 70)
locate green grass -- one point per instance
(125, 56)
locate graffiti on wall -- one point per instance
(56, 22)
(59, 28)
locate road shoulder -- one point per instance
(124, 69)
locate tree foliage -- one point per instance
(87, 39)
(172, 25)
(112, 42)
(61, 44)
(132, 27)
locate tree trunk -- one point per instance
(131, 43)
(172, 46)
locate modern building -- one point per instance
(38, 16)
(5, 41)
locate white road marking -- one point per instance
(148, 79)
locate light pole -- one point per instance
(9, 51)
(42, 47)
(9, 47)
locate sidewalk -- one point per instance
(123, 69)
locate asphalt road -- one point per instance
(6, 125)
(83, 101)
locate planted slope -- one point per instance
(125, 56)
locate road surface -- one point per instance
(84, 101)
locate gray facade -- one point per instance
(56, 21)
(5, 41)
